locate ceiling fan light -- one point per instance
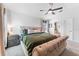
(53, 13)
(41, 10)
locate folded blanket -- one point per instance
(34, 40)
(52, 48)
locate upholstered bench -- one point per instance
(52, 48)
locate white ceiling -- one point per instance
(31, 9)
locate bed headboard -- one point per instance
(31, 29)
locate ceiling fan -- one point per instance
(53, 10)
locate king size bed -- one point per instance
(33, 42)
(36, 39)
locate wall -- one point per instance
(71, 16)
(18, 20)
(5, 28)
(69, 20)
(7, 18)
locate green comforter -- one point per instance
(34, 40)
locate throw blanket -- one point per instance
(34, 40)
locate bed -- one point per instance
(35, 39)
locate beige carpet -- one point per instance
(72, 49)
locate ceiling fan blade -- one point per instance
(57, 8)
(46, 13)
(41, 10)
(53, 13)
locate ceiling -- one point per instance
(31, 9)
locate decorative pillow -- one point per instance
(25, 32)
(13, 40)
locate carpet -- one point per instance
(72, 49)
